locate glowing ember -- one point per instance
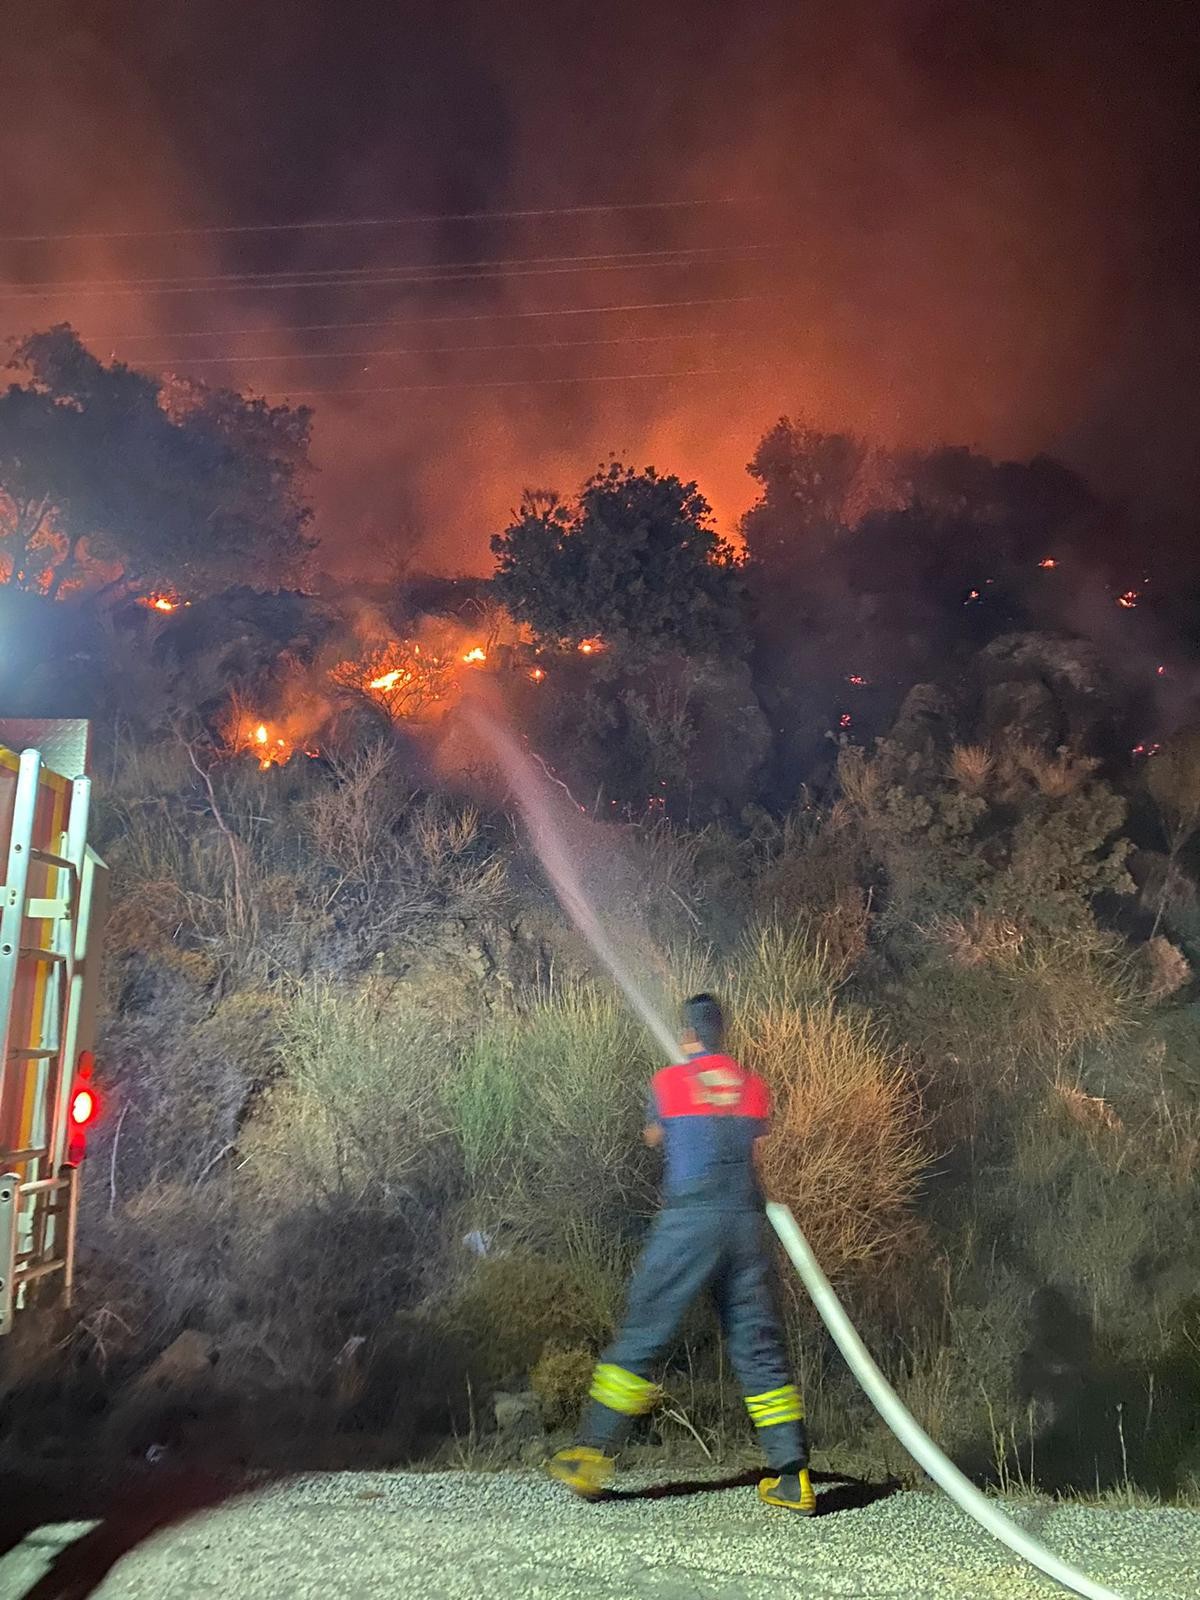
(538, 674)
(590, 647)
(476, 655)
(972, 595)
(1048, 564)
(1145, 750)
(1129, 599)
(845, 720)
(857, 681)
(1161, 672)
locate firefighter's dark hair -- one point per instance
(702, 1015)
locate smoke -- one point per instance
(545, 822)
(953, 224)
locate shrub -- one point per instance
(513, 1308)
(845, 1151)
(359, 1107)
(548, 1107)
(994, 1006)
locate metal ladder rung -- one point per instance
(48, 859)
(44, 910)
(30, 952)
(44, 1054)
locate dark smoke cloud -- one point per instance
(986, 218)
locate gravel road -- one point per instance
(515, 1536)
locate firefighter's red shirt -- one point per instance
(711, 1111)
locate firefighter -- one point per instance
(708, 1115)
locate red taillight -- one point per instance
(83, 1107)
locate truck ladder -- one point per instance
(38, 1190)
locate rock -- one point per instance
(187, 1360)
(1044, 689)
(155, 1409)
(1021, 710)
(518, 1417)
(926, 721)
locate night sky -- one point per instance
(971, 223)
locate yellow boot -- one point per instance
(585, 1471)
(793, 1491)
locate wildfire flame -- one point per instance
(538, 674)
(590, 647)
(476, 654)
(406, 681)
(159, 602)
(390, 679)
(1048, 564)
(270, 746)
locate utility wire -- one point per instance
(427, 269)
(331, 224)
(448, 349)
(396, 278)
(405, 322)
(528, 383)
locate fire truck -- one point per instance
(51, 917)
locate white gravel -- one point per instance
(516, 1536)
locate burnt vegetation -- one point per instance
(913, 779)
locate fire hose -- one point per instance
(905, 1426)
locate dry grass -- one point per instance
(1006, 1006)
(1055, 776)
(971, 767)
(845, 1151)
(358, 1109)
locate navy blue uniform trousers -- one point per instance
(694, 1248)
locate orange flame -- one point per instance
(591, 647)
(269, 745)
(476, 654)
(1048, 564)
(538, 674)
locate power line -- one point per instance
(428, 269)
(331, 224)
(394, 278)
(447, 349)
(405, 322)
(526, 383)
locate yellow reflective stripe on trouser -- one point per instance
(777, 1405)
(623, 1391)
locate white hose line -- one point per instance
(909, 1432)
